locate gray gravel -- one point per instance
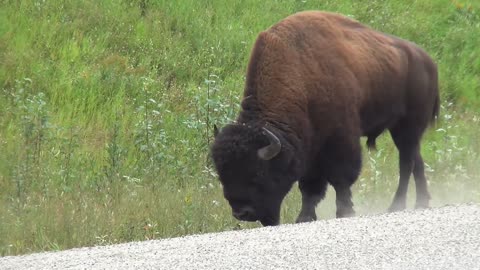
(439, 238)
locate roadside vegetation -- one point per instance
(107, 112)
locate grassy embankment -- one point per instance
(106, 110)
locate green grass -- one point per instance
(106, 112)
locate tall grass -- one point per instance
(106, 111)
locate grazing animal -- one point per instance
(316, 82)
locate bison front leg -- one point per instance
(313, 190)
(344, 164)
(307, 214)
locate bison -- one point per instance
(316, 83)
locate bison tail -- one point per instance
(436, 109)
(436, 105)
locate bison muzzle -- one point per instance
(316, 83)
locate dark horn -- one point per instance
(270, 151)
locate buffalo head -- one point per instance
(257, 168)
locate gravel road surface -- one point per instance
(439, 238)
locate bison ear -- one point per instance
(270, 151)
(215, 131)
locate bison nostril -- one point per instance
(244, 213)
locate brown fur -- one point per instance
(323, 80)
(303, 69)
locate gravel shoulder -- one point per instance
(439, 238)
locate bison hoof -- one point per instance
(421, 204)
(345, 213)
(395, 207)
(306, 218)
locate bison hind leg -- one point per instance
(423, 196)
(407, 139)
